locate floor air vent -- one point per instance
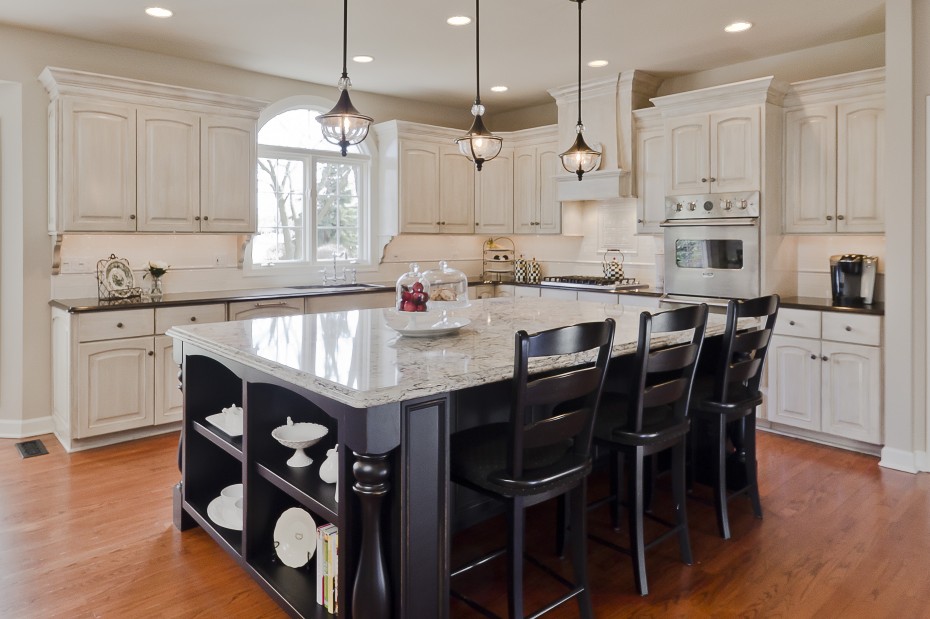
(28, 449)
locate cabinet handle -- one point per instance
(272, 304)
(829, 217)
(848, 328)
(841, 217)
(824, 358)
(119, 325)
(132, 217)
(196, 217)
(791, 322)
(151, 353)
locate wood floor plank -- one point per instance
(90, 535)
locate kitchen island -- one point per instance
(390, 402)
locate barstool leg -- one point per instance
(562, 519)
(752, 466)
(720, 476)
(637, 535)
(616, 483)
(517, 518)
(578, 506)
(679, 489)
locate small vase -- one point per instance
(155, 291)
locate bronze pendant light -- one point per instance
(580, 158)
(479, 144)
(343, 125)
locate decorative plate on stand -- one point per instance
(115, 279)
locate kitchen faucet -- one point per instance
(347, 272)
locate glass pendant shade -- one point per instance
(580, 158)
(343, 125)
(479, 144)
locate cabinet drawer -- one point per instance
(798, 323)
(852, 328)
(118, 324)
(167, 317)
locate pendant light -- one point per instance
(580, 158)
(479, 144)
(343, 125)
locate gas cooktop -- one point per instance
(590, 282)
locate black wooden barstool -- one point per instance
(648, 416)
(726, 404)
(544, 451)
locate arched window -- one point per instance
(312, 202)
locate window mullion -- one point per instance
(310, 219)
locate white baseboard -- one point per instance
(20, 428)
(899, 460)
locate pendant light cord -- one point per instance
(579, 60)
(345, 37)
(477, 56)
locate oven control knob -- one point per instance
(708, 206)
(692, 206)
(727, 204)
(678, 207)
(744, 204)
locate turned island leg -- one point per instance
(371, 597)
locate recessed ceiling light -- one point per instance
(458, 20)
(738, 26)
(498, 89)
(363, 59)
(157, 11)
(596, 64)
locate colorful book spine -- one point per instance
(327, 566)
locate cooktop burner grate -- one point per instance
(591, 282)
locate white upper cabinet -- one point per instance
(650, 171)
(834, 155)
(457, 191)
(494, 195)
(126, 155)
(419, 186)
(536, 207)
(713, 153)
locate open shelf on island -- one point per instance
(305, 486)
(230, 444)
(295, 586)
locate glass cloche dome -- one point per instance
(448, 287)
(412, 291)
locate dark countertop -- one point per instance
(826, 305)
(93, 304)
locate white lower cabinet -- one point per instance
(113, 372)
(243, 310)
(342, 302)
(825, 374)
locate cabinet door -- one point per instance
(419, 187)
(169, 403)
(735, 150)
(650, 180)
(860, 195)
(98, 166)
(548, 164)
(525, 188)
(852, 391)
(342, 302)
(810, 169)
(228, 163)
(494, 195)
(242, 310)
(115, 383)
(457, 191)
(794, 382)
(168, 170)
(687, 151)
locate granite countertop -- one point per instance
(826, 305)
(354, 357)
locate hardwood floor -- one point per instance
(90, 535)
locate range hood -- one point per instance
(607, 110)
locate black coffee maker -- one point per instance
(852, 279)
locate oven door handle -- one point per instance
(716, 302)
(734, 221)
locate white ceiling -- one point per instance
(528, 45)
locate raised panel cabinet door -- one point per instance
(494, 195)
(242, 310)
(650, 181)
(735, 150)
(548, 165)
(860, 194)
(687, 153)
(457, 191)
(810, 169)
(98, 166)
(115, 382)
(228, 172)
(852, 391)
(169, 403)
(168, 170)
(794, 382)
(525, 190)
(419, 187)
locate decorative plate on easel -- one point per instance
(115, 279)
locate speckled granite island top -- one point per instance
(354, 357)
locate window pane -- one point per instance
(280, 211)
(297, 129)
(337, 205)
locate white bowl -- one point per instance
(299, 436)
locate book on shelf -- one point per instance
(327, 564)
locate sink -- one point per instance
(338, 287)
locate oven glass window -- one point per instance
(709, 254)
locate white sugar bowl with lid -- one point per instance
(448, 287)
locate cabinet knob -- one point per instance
(824, 358)
(841, 217)
(814, 357)
(119, 325)
(829, 217)
(206, 217)
(848, 328)
(196, 217)
(703, 180)
(132, 216)
(477, 223)
(193, 319)
(791, 322)
(713, 180)
(151, 353)
(640, 221)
